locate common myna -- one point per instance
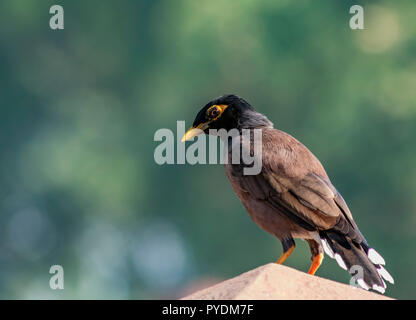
(292, 196)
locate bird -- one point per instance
(292, 196)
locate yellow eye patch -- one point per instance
(215, 111)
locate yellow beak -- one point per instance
(194, 131)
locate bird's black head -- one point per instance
(226, 112)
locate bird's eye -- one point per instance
(214, 112)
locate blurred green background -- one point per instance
(79, 109)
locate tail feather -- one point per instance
(363, 262)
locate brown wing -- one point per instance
(294, 182)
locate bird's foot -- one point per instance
(285, 255)
(316, 262)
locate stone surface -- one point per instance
(277, 282)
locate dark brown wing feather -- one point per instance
(294, 182)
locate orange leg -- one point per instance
(316, 262)
(285, 255)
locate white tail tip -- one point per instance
(378, 288)
(362, 284)
(384, 274)
(375, 257)
(340, 262)
(327, 248)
